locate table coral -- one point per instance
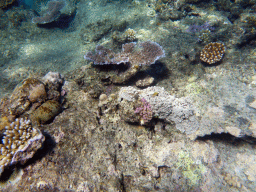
(212, 52)
(134, 54)
(51, 14)
(19, 143)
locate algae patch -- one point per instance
(190, 169)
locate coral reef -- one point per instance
(19, 143)
(51, 14)
(174, 138)
(212, 52)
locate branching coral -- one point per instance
(19, 143)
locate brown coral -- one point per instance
(46, 112)
(212, 52)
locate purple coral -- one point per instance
(144, 110)
(144, 53)
(102, 56)
(199, 28)
(151, 52)
(52, 13)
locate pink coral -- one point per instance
(145, 111)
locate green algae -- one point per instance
(190, 169)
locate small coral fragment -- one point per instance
(212, 52)
(130, 35)
(19, 143)
(144, 110)
(145, 82)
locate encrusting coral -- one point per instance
(19, 143)
(46, 112)
(29, 95)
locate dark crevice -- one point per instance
(227, 138)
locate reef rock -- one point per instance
(162, 105)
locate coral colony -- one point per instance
(52, 13)
(19, 143)
(144, 111)
(212, 52)
(144, 53)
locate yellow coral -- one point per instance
(212, 52)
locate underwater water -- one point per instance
(135, 95)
